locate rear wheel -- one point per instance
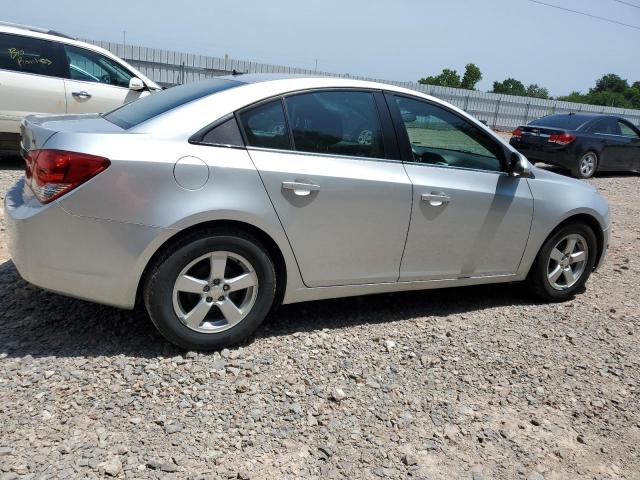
(587, 165)
(211, 289)
(564, 262)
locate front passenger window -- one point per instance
(627, 131)
(90, 66)
(439, 137)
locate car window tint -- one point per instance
(93, 67)
(336, 122)
(227, 133)
(627, 131)
(265, 126)
(146, 108)
(31, 55)
(606, 126)
(439, 137)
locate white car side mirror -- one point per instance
(136, 84)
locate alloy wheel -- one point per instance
(215, 291)
(588, 164)
(567, 261)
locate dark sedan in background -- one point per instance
(581, 143)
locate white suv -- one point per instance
(42, 71)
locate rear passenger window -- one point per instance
(31, 55)
(265, 126)
(226, 134)
(335, 122)
(606, 126)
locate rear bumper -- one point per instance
(560, 156)
(86, 258)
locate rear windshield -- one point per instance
(134, 113)
(566, 122)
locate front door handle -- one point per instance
(301, 189)
(81, 94)
(435, 199)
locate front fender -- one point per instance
(557, 199)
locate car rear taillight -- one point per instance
(561, 138)
(517, 133)
(52, 173)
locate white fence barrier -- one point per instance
(499, 111)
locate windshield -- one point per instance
(134, 113)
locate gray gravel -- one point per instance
(473, 383)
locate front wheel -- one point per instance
(587, 166)
(211, 289)
(564, 262)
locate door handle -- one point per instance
(81, 94)
(301, 189)
(435, 199)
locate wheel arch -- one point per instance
(267, 241)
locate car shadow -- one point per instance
(11, 162)
(43, 324)
(567, 173)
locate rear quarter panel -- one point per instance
(140, 188)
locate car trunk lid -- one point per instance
(36, 130)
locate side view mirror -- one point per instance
(519, 166)
(136, 84)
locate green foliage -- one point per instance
(448, 78)
(610, 83)
(611, 91)
(536, 91)
(510, 86)
(472, 75)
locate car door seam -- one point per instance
(533, 214)
(295, 258)
(406, 238)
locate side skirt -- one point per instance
(322, 293)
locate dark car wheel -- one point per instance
(564, 262)
(211, 289)
(587, 165)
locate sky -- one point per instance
(395, 40)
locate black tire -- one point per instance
(159, 283)
(538, 278)
(578, 172)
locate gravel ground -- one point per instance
(474, 383)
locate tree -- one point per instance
(610, 83)
(536, 91)
(472, 75)
(448, 78)
(611, 91)
(575, 97)
(510, 86)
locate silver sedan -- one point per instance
(215, 201)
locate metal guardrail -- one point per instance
(168, 68)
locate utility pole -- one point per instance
(124, 43)
(316, 65)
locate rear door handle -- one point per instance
(435, 199)
(81, 94)
(301, 189)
